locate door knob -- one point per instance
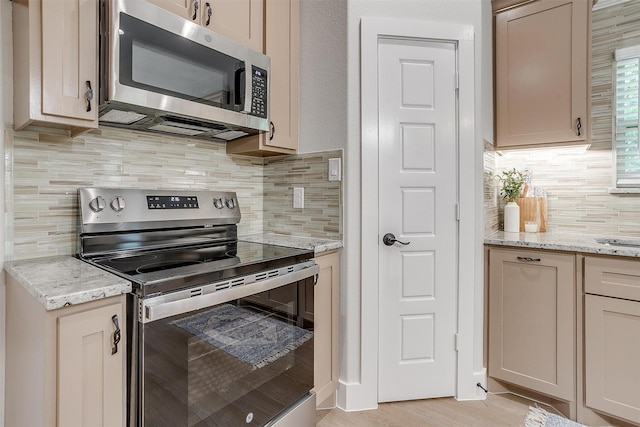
(389, 239)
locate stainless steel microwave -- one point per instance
(160, 72)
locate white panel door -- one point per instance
(417, 203)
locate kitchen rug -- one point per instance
(538, 417)
(250, 337)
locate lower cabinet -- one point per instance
(62, 366)
(326, 333)
(532, 299)
(612, 337)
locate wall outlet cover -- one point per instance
(335, 169)
(298, 198)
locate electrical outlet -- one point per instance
(298, 198)
(335, 172)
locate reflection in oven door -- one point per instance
(242, 362)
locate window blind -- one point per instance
(627, 149)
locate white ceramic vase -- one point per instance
(511, 217)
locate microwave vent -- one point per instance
(177, 129)
(232, 134)
(122, 117)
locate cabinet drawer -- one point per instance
(619, 278)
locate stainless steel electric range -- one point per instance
(220, 330)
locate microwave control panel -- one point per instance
(259, 92)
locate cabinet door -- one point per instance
(281, 37)
(532, 320)
(612, 356)
(240, 20)
(281, 45)
(70, 58)
(91, 380)
(542, 73)
(326, 332)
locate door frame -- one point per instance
(372, 29)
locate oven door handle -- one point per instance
(163, 306)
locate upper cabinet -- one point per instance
(542, 73)
(55, 73)
(239, 20)
(281, 45)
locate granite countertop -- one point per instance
(565, 242)
(60, 281)
(317, 245)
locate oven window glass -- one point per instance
(238, 363)
(159, 61)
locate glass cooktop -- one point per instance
(172, 269)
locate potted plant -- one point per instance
(512, 184)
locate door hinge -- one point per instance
(457, 211)
(457, 342)
(457, 80)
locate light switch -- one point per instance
(298, 198)
(335, 172)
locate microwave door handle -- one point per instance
(239, 89)
(248, 87)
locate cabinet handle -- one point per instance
(528, 259)
(196, 6)
(273, 131)
(579, 126)
(89, 95)
(116, 334)
(209, 13)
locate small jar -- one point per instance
(530, 227)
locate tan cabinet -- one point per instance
(326, 332)
(281, 45)
(60, 366)
(612, 337)
(55, 65)
(532, 320)
(542, 73)
(239, 20)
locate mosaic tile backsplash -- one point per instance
(322, 198)
(43, 172)
(577, 181)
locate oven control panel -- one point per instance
(117, 209)
(172, 202)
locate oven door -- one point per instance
(239, 359)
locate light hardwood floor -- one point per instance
(498, 410)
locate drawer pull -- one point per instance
(528, 259)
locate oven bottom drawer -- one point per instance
(302, 414)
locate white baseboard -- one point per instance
(476, 393)
(350, 398)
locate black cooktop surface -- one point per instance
(171, 269)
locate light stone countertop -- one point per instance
(565, 242)
(317, 245)
(60, 281)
